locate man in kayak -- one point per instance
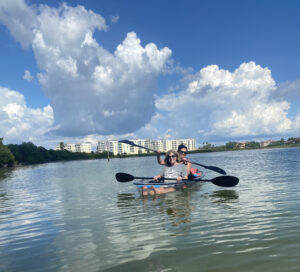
(173, 169)
(182, 150)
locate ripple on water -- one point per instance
(75, 217)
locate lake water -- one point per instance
(75, 216)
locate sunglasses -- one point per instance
(172, 156)
(183, 152)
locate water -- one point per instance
(74, 216)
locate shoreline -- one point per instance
(6, 167)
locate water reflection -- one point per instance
(4, 173)
(177, 207)
(75, 217)
(125, 200)
(224, 196)
(174, 208)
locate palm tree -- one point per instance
(61, 145)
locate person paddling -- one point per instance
(182, 150)
(172, 169)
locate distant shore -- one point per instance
(38, 155)
(214, 149)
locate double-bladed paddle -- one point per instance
(133, 144)
(224, 181)
(212, 168)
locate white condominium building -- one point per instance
(84, 147)
(70, 147)
(162, 145)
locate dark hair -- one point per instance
(167, 162)
(181, 146)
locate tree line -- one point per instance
(28, 153)
(290, 142)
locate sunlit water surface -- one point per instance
(74, 216)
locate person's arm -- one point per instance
(188, 165)
(157, 177)
(161, 175)
(183, 172)
(188, 168)
(159, 160)
(181, 178)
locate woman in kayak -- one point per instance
(173, 169)
(182, 150)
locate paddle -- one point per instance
(133, 144)
(212, 168)
(224, 181)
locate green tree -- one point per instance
(6, 157)
(61, 145)
(252, 145)
(231, 145)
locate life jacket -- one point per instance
(195, 173)
(194, 170)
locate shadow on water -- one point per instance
(224, 196)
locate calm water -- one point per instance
(74, 216)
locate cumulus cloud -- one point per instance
(288, 90)
(21, 20)
(27, 76)
(92, 90)
(19, 122)
(218, 104)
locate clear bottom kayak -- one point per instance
(154, 187)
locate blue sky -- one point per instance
(218, 71)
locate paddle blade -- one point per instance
(212, 168)
(216, 169)
(225, 181)
(123, 177)
(126, 142)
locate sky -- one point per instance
(214, 70)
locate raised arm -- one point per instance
(159, 160)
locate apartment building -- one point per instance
(84, 147)
(162, 145)
(70, 147)
(79, 147)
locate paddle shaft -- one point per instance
(161, 178)
(224, 181)
(183, 180)
(212, 168)
(133, 144)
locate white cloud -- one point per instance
(262, 119)
(20, 123)
(20, 19)
(219, 104)
(27, 76)
(92, 91)
(288, 90)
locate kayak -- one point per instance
(142, 185)
(154, 187)
(164, 186)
